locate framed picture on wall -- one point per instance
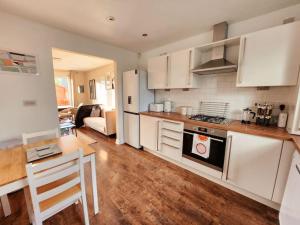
(92, 86)
(18, 63)
(109, 82)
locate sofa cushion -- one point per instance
(96, 123)
(96, 110)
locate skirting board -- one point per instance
(219, 181)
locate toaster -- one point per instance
(155, 107)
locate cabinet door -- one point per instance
(170, 139)
(149, 132)
(158, 70)
(253, 163)
(286, 158)
(270, 57)
(180, 63)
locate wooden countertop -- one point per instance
(235, 125)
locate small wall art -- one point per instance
(18, 63)
(92, 86)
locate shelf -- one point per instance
(227, 42)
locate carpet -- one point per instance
(85, 138)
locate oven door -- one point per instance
(217, 146)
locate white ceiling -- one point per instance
(65, 60)
(164, 20)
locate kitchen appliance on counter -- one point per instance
(204, 145)
(264, 114)
(282, 118)
(189, 111)
(167, 106)
(246, 116)
(156, 107)
(136, 99)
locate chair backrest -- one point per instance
(37, 136)
(53, 178)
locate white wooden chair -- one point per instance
(26, 137)
(55, 185)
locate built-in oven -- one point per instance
(204, 145)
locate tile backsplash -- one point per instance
(222, 88)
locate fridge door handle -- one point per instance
(129, 100)
(298, 169)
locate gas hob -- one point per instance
(209, 119)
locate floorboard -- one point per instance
(136, 187)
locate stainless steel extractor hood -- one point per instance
(218, 63)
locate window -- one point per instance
(63, 91)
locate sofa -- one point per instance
(105, 123)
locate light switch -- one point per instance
(29, 102)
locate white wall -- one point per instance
(99, 74)
(25, 36)
(222, 87)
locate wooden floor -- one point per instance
(136, 187)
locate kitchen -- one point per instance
(206, 113)
(238, 79)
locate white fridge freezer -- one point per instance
(136, 99)
(132, 129)
(290, 206)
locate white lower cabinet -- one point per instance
(253, 163)
(256, 164)
(149, 132)
(170, 139)
(286, 158)
(163, 136)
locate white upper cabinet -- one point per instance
(172, 71)
(158, 70)
(270, 57)
(253, 163)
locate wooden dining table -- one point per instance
(13, 175)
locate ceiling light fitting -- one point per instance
(111, 18)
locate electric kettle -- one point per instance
(246, 116)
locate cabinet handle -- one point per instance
(298, 169)
(211, 138)
(241, 58)
(189, 69)
(228, 153)
(168, 137)
(158, 136)
(298, 74)
(167, 77)
(171, 146)
(170, 121)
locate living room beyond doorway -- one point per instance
(85, 92)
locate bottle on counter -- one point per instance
(282, 119)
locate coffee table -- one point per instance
(66, 127)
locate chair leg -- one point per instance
(85, 210)
(28, 205)
(38, 221)
(5, 205)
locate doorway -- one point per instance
(85, 92)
